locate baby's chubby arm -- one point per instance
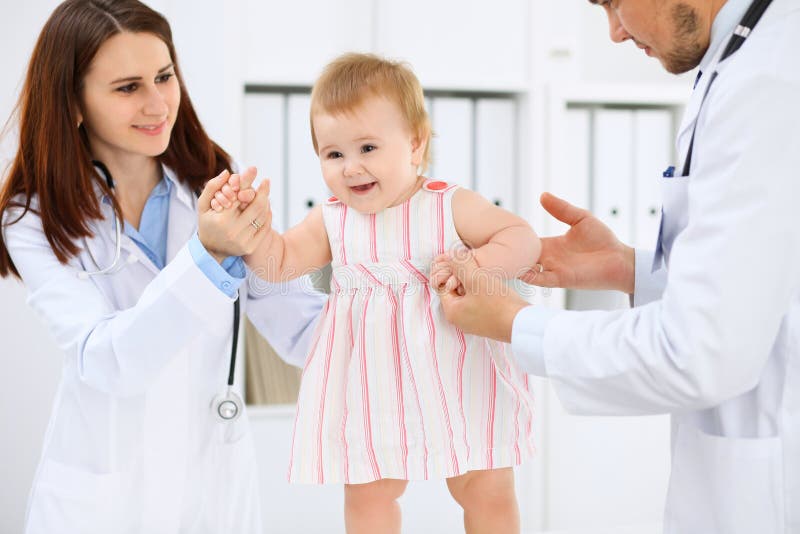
(280, 257)
(500, 240)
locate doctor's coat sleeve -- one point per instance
(121, 352)
(286, 314)
(732, 274)
(118, 352)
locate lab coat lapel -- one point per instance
(182, 215)
(102, 246)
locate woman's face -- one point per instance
(130, 97)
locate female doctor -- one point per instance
(100, 221)
(714, 337)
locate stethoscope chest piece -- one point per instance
(227, 406)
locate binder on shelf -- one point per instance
(612, 197)
(452, 141)
(305, 185)
(264, 147)
(610, 153)
(495, 150)
(652, 153)
(573, 183)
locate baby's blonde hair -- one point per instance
(349, 79)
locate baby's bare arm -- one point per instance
(500, 240)
(301, 250)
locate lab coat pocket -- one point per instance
(230, 485)
(674, 215)
(69, 499)
(724, 485)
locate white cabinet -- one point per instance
(305, 184)
(612, 179)
(278, 141)
(288, 43)
(484, 45)
(265, 147)
(496, 146)
(606, 472)
(609, 471)
(452, 142)
(653, 153)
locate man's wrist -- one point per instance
(628, 282)
(510, 308)
(630, 262)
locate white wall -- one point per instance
(29, 361)
(220, 48)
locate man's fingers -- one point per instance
(543, 279)
(451, 283)
(561, 209)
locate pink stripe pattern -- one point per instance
(391, 389)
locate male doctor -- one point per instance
(714, 334)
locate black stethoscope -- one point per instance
(740, 35)
(228, 405)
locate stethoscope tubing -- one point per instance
(230, 395)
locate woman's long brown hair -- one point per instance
(53, 161)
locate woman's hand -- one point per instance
(233, 232)
(588, 256)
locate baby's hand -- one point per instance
(238, 191)
(442, 278)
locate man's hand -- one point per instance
(481, 302)
(588, 256)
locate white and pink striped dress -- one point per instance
(391, 389)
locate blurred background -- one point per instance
(525, 96)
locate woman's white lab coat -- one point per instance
(132, 445)
(715, 336)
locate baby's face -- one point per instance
(369, 157)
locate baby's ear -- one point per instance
(418, 145)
